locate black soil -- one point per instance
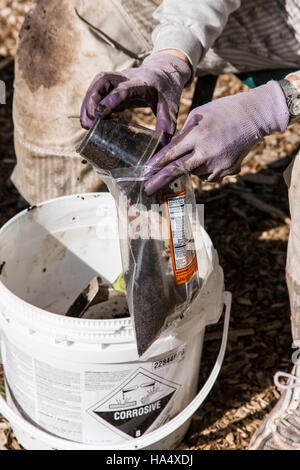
(151, 288)
(150, 285)
(111, 144)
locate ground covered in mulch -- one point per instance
(247, 218)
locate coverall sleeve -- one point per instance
(191, 26)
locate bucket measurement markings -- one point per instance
(177, 356)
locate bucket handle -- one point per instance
(143, 442)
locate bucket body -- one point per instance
(82, 380)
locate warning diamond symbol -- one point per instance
(136, 403)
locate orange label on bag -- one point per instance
(184, 257)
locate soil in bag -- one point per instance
(155, 291)
(160, 268)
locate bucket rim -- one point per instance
(104, 327)
(72, 329)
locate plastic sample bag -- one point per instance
(157, 246)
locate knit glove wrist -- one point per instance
(217, 136)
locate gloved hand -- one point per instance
(157, 83)
(217, 136)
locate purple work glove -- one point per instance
(217, 136)
(157, 83)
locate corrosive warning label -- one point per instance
(134, 406)
(102, 404)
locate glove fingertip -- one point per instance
(102, 111)
(157, 182)
(150, 188)
(85, 121)
(109, 104)
(165, 138)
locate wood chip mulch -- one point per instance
(247, 217)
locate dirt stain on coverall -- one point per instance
(48, 43)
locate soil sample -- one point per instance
(118, 151)
(112, 144)
(151, 290)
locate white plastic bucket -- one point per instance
(79, 384)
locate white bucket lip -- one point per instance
(120, 328)
(69, 329)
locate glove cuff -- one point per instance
(271, 104)
(170, 64)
